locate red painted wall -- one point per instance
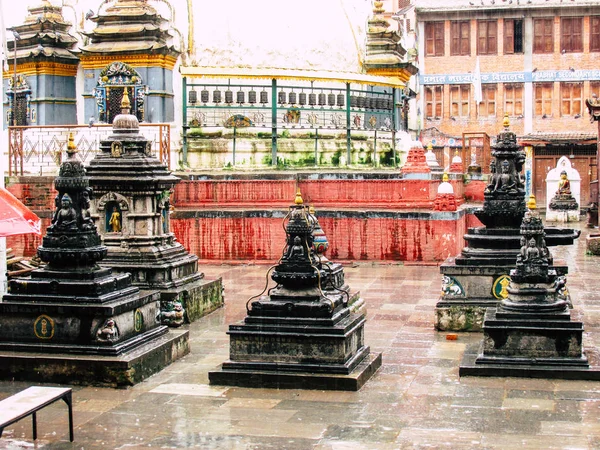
(242, 220)
(242, 238)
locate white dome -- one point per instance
(311, 35)
(445, 188)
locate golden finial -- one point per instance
(125, 103)
(429, 147)
(445, 177)
(506, 121)
(311, 210)
(298, 200)
(531, 202)
(71, 147)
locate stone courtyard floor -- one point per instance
(416, 400)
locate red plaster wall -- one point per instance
(395, 193)
(350, 239)
(473, 190)
(242, 238)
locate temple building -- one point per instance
(40, 85)
(237, 95)
(534, 60)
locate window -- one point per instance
(487, 37)
(459, 100)
(571, 99)
(571, 31)
(595, 88)
(513, 99)
(513, 36)
(543, 35)
(434, 96)
(434, 39)
(542, 94)
(595, 34)
(460, 38)
(487, 108)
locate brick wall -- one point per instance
(500, 62)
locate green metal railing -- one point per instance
(362, 110)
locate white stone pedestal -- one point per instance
(552, 180)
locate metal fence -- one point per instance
(39, 149)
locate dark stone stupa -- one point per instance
(74, 321)
(308, 332)
(132, 209)
(531, 332)
(477, 278)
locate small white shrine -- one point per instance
(553, 183)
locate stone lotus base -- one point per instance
(562, 216)
(123, 370)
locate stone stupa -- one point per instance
(532, 332)
(76, 322)
(308, 331)
(132, 208)
(477, 278)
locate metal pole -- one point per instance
(14, 106)
(348, 133)
(234, 132)
(394, 127)
(598, 172)
(184, 161)
(316, 146)
(375, 162)
(274, 122)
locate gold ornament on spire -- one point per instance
(506, 121)
(125, 103)
(531, 205)
(298, 200)
(445, 177)
(71, 147)
(430, 147)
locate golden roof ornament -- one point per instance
(445, 177)
(298, 200)
(506, 121)
(430, 147)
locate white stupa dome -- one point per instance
(445, 187)
(313, 35)
(456, 159)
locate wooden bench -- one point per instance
(31, 400)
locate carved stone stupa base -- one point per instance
(308, 331)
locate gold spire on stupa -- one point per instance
(125, 103)
(506, 121)
(71, 147)
(298, 200)
(531, 205)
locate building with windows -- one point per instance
(534, 60)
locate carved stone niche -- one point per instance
(107, 206)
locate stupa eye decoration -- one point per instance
(109, 91)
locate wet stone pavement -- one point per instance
(416, 400)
